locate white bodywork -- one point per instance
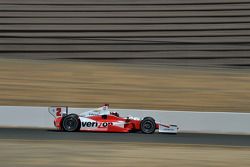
(104, 110)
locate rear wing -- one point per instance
(56, 111)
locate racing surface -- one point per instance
(181, 138)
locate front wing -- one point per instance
(168, 128)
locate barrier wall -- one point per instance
(195, 122)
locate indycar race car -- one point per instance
(102, 120)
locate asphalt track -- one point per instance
(181, 138)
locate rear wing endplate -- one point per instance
(56, 111)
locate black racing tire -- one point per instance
(71, 123)
(148, 125)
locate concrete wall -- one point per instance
(196, 122)
(44, 29)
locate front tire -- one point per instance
(71, 123)
(148, 125)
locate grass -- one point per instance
(30, 153)
(123, 85)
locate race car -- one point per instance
(102, 120)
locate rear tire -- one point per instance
(71, 123)
(148, 125)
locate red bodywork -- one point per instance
(109, 123)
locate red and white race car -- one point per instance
(102, 120)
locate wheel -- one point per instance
(71, 123)
(148, 125)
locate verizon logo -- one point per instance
(96, 124)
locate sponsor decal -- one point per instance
(96, 124)
(93, 114)
(169, 129)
